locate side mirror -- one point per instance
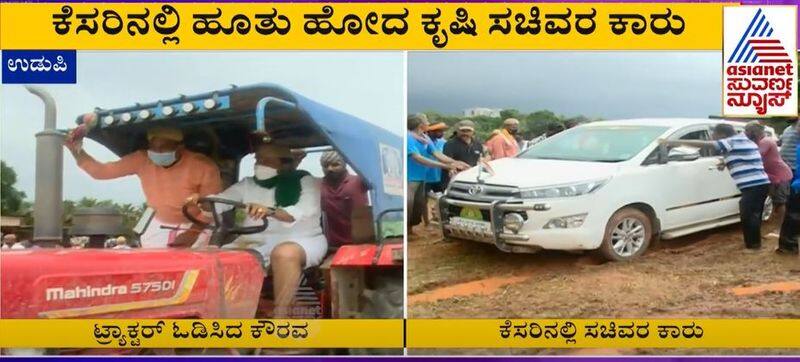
(682, 154)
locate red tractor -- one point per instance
(360, 280)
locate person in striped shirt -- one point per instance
(745, 165)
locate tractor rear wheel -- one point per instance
(383, 300)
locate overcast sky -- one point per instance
(594, 84)
(368, 85)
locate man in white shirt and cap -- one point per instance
(290, 199)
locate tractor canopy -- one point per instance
(220, 124)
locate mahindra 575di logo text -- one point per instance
(760, 61)
(108, 290)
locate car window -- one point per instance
(608, 143)
(700, 135)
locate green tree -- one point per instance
(536, 123)
(510, 113)
(12, 199)
(532, 124)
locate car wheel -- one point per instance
(628, 234)
(768, 208)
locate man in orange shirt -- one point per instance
(503, 143)
(169, 174)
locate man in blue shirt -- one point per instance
(790, 230)
(433, 182)
(436, 134)
(422, 156)
(747, 169)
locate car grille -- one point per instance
(485, 193)
(488, 194)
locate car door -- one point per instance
(693, 191)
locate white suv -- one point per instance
(605, 185)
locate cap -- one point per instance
(437, 126)
(169, 133)
(466, 125)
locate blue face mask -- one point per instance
(163, 159)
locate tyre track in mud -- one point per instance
(698, 276)
(691, 276)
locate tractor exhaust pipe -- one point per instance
(48, 206)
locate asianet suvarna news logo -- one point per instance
(760, 61)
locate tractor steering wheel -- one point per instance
(219, 226)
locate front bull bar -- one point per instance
(497, 210)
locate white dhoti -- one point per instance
(315, 247)
(155, 236)
(305, 230)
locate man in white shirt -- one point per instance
(290, 199)
(120, 242)
(10, 242)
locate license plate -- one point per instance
(471, 213)
(474, 225)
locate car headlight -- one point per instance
(513, 221)
(566, 222)
(576, 189)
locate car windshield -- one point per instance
(595, 143)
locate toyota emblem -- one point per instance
(475, 189)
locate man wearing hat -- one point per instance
(464, 146)
(169, 173)
(290, 200)
(503, 142)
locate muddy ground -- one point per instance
(705, 275)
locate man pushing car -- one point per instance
(744, 162)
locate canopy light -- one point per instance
(125, 117)
(167, 111)
(209, 104)
(188, 107)
(108, 119)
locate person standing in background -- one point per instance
(503, 142)
(788, 143)
(341, 194)
(433, 181)
(10, 241)
(464, 147)
(790, 230)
